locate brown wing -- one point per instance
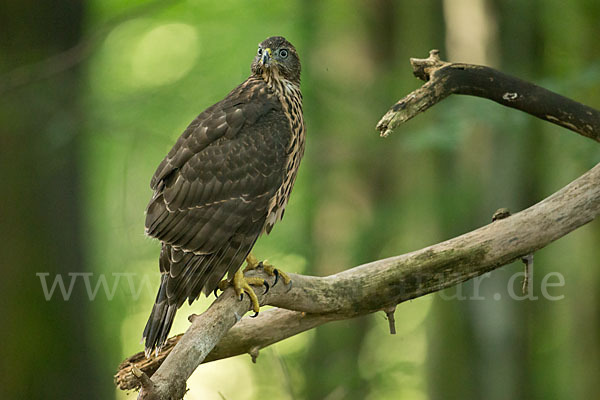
(221, 173)
(211, 196)
(228, 161)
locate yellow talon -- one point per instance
(252, 263)
(270, 269)
(241, 284)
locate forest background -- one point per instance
(94, 93)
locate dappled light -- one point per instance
(164, 55)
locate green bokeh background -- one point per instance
(81, 135)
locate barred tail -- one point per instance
(160, 321)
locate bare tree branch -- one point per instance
(379, 285)
(444, 79)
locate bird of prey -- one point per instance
(226, 180)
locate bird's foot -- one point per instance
(253, 263)
(241, 284)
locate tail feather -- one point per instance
(184, 275)
(160, 321)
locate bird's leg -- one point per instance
(253, 263)
(241, 284)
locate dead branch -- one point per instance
(444, 79)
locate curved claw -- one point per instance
(215, 293)
(255, 315)
(276, 273)
(266, 287)
(241, 296)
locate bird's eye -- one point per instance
(283, 53)
(259, 51)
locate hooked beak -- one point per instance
(266, 57)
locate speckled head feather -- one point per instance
(276, 54)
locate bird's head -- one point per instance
(277, 56)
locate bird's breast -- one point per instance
(291, 100)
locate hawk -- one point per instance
(226, 181)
